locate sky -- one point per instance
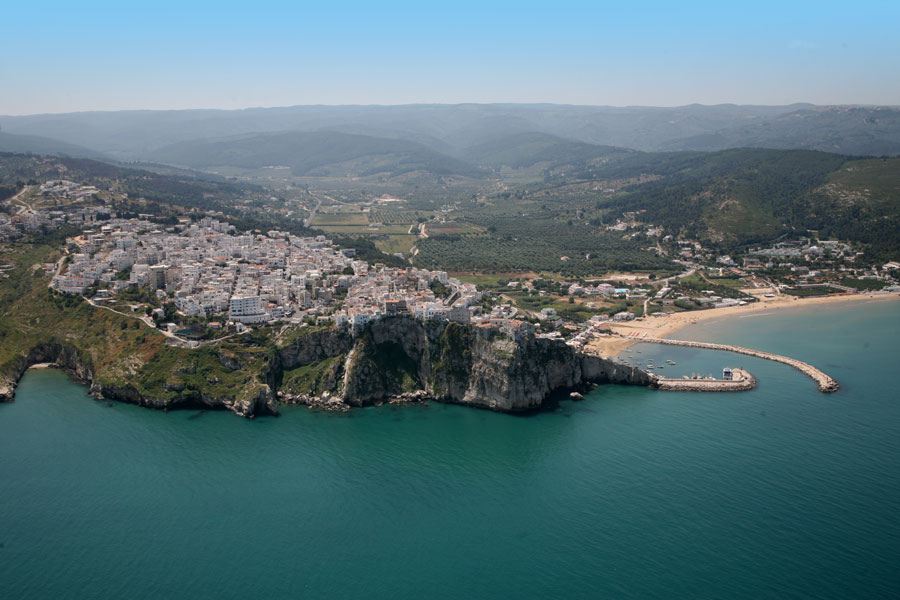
(79, 56)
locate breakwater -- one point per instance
(741, 381)
(826, 384)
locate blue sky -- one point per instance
(74, 56)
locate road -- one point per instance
(60, 264)
(24, 206)
(149, 323)
(687, 273)
(312, 215)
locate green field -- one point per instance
(395, 243)
(452, 228)
(341, 219)
(392, 216)
(394, 230)
(729, 282)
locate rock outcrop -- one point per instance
(247, 401)
(394, 359)
(53, 352)
(455, 363)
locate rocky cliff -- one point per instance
(393, 359)
(54, 352)
(179, 390)
(401, 357)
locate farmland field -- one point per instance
(391, 216)
(344, 218)
(395, 243)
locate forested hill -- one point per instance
(316, 153)
(745, 196)
(36, 144)
(451, 128)
(523, 150)
(183, 190)
(844, 130)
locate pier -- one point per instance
(740, 381)
(826, 384)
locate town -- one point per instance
(201, 279)
(207, 269)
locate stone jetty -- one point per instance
(826, 384)
(741, 381)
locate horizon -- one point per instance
(102, 57)
(453, 104)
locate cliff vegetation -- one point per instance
(394, 359)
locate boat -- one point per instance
(671, 362)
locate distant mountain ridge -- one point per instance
(524, 150)
(34, 144)
(451, 129)
(322, 153)
(851, 130)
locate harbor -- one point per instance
(733, 380)
(826, 384)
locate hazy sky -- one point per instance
(74, 56)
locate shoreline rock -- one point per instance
(394, 360)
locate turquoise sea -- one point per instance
(781, 492)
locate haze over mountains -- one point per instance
(460, 139)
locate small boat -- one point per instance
(671, 362)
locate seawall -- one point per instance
(825, 383)
(741, 382)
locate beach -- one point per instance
(659, 327)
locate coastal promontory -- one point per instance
(392, 358)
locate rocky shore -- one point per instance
(394, 360)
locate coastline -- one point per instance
(660, 327)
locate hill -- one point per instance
(451, 128)
(747, 196)
(35, 144)
(183, 190)
(730, 197)
(527, 149)
(845, 130)
(316, 153)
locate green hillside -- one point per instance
(35, 144)
(528, 149)
(183, 190)
(745, 196)
(731, 197)
(845, 130)
(861, 201)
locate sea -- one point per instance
(780, 492)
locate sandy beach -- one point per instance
(659, 327)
